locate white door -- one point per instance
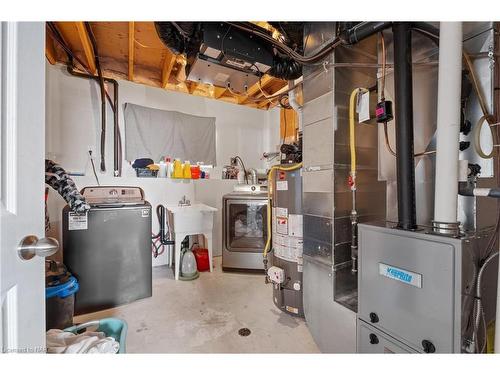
(22, 147)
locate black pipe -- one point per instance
(468, 190)
(403, 93)
(363, 30)
(103, 95)
(114, 106)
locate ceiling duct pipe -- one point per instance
(448, 128)
(403, 90)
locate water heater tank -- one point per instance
(287, 240)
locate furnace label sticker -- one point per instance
(77, 221)
(398, 274)
(281, 185)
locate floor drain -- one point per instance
(244, 332)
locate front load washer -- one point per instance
(244, 230)
(108, 249)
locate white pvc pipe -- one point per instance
(292, 97)
(448, 122)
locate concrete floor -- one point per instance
(204, 316)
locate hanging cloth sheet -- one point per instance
(153, 133)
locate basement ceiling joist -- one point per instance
(133, 51)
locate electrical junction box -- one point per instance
(276, 274)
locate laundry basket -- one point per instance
(111, 327)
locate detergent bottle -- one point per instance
(177, 170)
(187, 169)
(168, 164)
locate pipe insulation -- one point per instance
(403, 90)
(448, 122)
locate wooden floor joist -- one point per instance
(87, 46)
(168, 64)
(133, 51)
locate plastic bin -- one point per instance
(202, 261)
(111, 327)
(145, 172)
(60, 304)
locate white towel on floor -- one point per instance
(61, 342)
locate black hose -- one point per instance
(114, 104)
(364, 30)
(114, 107)
(162, 234)
(403, 89)
(103, 95)
(283, 48)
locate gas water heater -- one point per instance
(287, 241)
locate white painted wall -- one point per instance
(73, 125)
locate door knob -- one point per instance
(31, 246)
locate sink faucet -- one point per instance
(184, 201)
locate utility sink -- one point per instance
(197, 218)
(188, 220)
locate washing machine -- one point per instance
(108, 249)
(244, 228)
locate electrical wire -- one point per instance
(475, 82)
(93, 168)
(478, 306)
(324, 51)
(384, 61)
(382, 98)
(181, 31)
(56, 35)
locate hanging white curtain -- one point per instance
(154, 133)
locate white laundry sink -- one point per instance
(194, 219)
(197, 218)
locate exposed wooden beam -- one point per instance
(131, 50)
(264, 104)
(168, 64)
(192, 86)
(264, 81)
(219, 92)
(50, 50)
(87, 46)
